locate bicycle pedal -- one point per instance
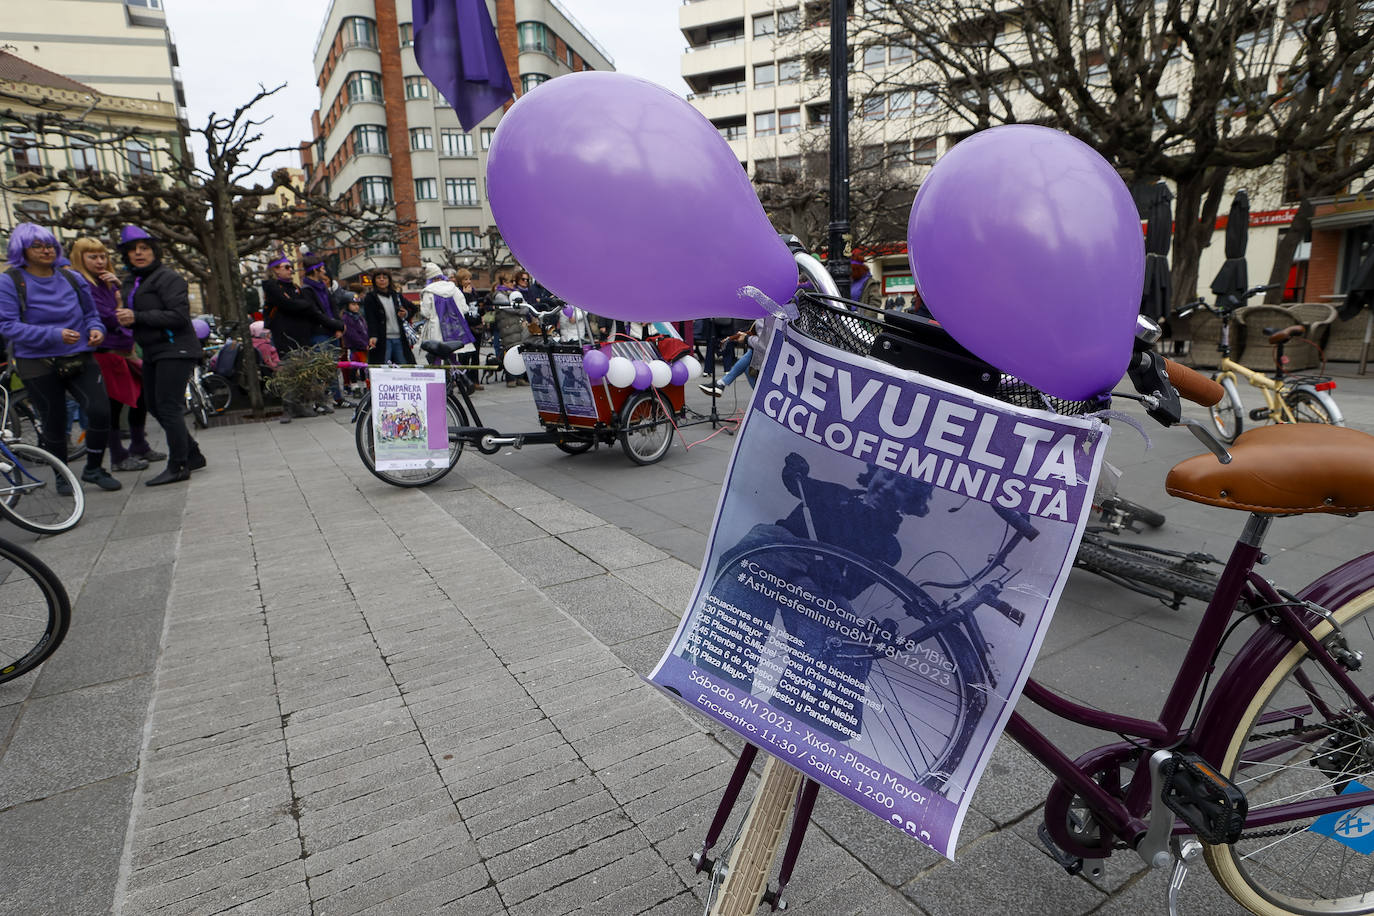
(1071, 864)
(1203, 799)
(1259, 413)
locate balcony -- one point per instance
(707, 59)
(698, 13)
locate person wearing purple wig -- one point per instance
(48, 316)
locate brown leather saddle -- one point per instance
(1286, 469)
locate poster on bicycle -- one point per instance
(409, 421)
(886, 556)
(572, 380)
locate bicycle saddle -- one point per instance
(1288, 469)
(439, 348)
(1288, 333)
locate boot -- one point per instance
(195, 460)
(139, 447)
(172, 473)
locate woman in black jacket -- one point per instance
(386, 311)
(155, 306)
(293, 316)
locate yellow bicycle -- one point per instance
(1287, 399)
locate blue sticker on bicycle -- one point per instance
(1354, 827)
(884, 562)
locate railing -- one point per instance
(712, 93)
(582, 30)
(461, 202)
(716, 43)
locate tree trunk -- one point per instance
(1195, 218)
(1288, 246)
(226, 253)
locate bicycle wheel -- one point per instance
(1306, 407)
(31, 494)
(1228, 415)
(574, 446)
(218, 392)
(920, 706)
(34, 611)
(21, 423)
(648, 432)
(1301, 737)
(1130, 513)
(1149, 572)
(417, 477)
(196, 405)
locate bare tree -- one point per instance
(1186, 90)
(211, 216)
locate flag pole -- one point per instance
(838, 259)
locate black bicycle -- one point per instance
(34, 611)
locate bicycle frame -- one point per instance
(1272, 389)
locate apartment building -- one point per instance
(116, 47)
(759, 71)
(384, 135)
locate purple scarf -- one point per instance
(117, 337)
(322, 294)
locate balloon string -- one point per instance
(1126, 418)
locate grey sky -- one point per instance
(227, 50)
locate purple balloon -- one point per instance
(1027, 248)
(596, 157)
(596, 363)
(643, 376)
(680, 373)
(201, 326)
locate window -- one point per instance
(374, 190)
(140, 158)
(359, 32)
(421, 138)
(875, 57)
(818, 114)
(875, 108)
(871, 156)
(925, 101)
(460, 192)
(486, 137)
(370, 138)
(380, 244)
(417, 87)
(764, 26)
(534, 36)
(789, 72)
(763, 75)
(1170, 105)
(529, 80)
(766, 170)
(85, 161)
(789, 120)
(34, 210)
(427, 189)
(568, 56)
(731, 128)
(818, 66)
(899, 54)
(791, 164)
(765, 123)
(407, 35)
(899, 104)
(454, 143)
(923, 151)
(789, 20)
(430, 237)
(364, 86)
(464, 239)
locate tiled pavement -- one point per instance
(291, 688)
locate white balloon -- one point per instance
(621, 372)
(693, 366)
(514, 362)
(662, 373)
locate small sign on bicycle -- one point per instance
(409, 422)
(885, 560)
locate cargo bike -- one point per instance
(575, 413)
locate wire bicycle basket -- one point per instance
(911, 342)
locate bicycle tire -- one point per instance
(927, 748)
(574, 446)
(1114, 561)
(21, 423)
(648, 432)
(1296, 765)
(28, 491)
(419, 477)
(1133, 512)
(751, 857)
(35, 615)
(218, 392)
(1228, 414)
(1306, 406)
(196, 406)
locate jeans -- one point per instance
(395, 351)
(737, 370)
(49, 395)
(164, 387)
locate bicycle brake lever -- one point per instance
(1204, 435)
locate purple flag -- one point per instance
(457, 48)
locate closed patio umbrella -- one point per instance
(1360, 296)
(1154, 303)
(1233, 280)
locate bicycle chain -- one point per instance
(1282, 733)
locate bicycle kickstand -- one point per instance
(1184, 852)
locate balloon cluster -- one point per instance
(620, 372)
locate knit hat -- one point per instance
(432, 271)
(131, 234)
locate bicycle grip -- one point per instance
(1193, 385)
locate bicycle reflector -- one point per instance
(1327, 385)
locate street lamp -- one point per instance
(838, 260)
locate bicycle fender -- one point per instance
(1265, 649)
(1328, 402)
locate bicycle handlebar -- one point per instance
(1192, 384)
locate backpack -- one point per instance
(227, 359)
(453, 327)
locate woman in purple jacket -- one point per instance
(49, 317)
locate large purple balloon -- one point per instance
(595, 165)
(1026, 246)
(643, 376)
(596, 363)
(680, 373)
